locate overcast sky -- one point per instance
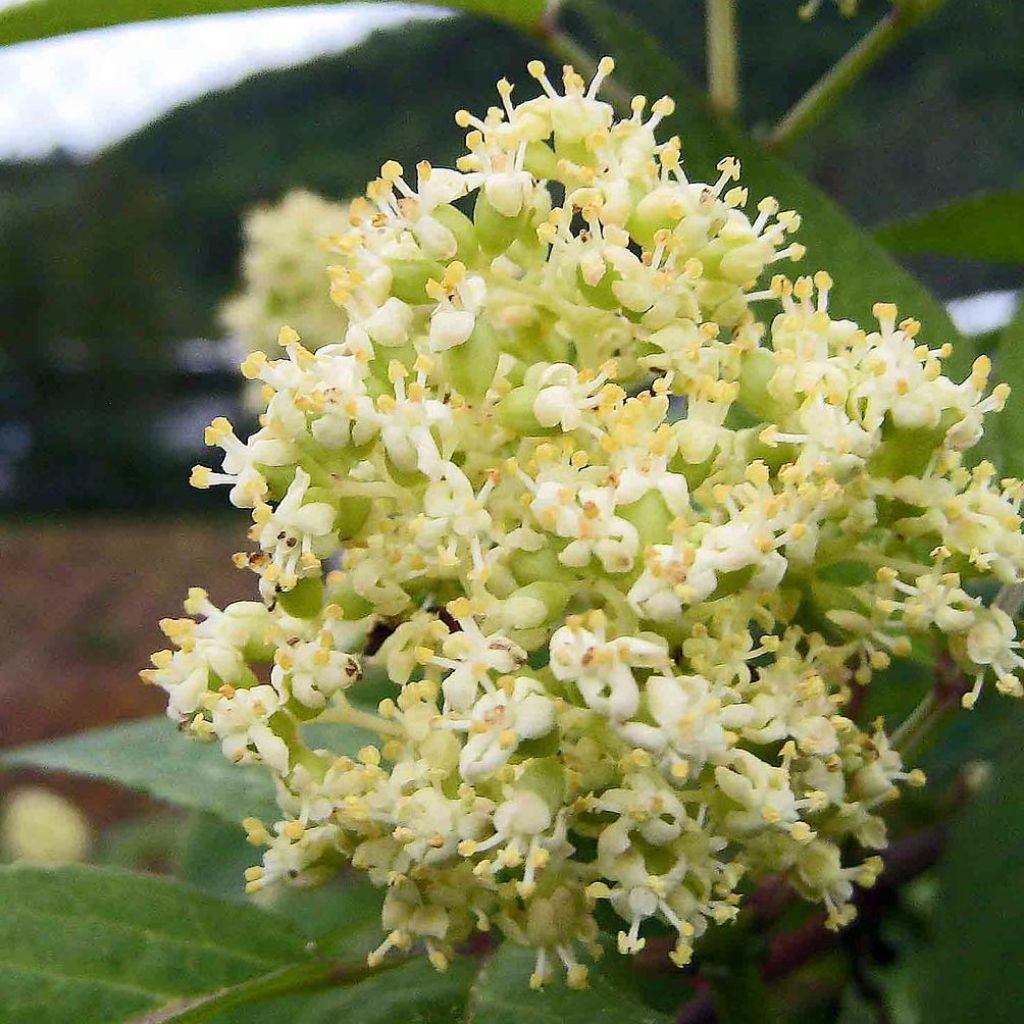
(82, 92)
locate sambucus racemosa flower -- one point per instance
(634, 517)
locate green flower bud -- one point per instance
(651, 517)
(441, 751)
(654, 212)
(541, 161)
(906, 451)
(494, 231)
(470, 366)
(695, 472)
(405, 354)
(546, 777)
(305, 600)
(731, 582)
(341, 593)
(532, 566)
(515, 412)
(743, 264)
(600, 294)
(773, 456)
(278, 478)
(536, 603)
(570, 147)
(554, 920)
(756, 371)
(409, 279)
(351, 514)
(462, 228)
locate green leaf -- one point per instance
(864, 272)
(1009, 367)
(342, 916)
(974, 969)
(38, 19)
(988, 226)
(495, 992)
(96, 946)
(151, 755)
(500, 996)
(412, 993)
(215, 854)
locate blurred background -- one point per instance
(128, 159)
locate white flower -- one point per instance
(312, 672)
(499, 722)
(242, 723)
(296, 534)
(761, 790)
(690, 722)
(472, 658)
(603, 669)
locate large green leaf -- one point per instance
(37, 19)
(40, 18)
(989, 226)
(864, 272)
(974, 969)
(96, 946)
(411, 994)
(151, 755)
(343, 915)
(495, 991)
(500, 996)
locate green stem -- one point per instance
(913, 730)
(312, 974)
(723, 57)
(823, 95)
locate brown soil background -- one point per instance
(79, 604)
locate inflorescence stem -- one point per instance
(723, 57)
(942, 700)
(348, 715)
(821, 96)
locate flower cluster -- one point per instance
(624, 518)
(284, 274)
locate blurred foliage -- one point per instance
(972, 967)
(105, 265)
(1010, 367)
(55, 17)
(989, 226)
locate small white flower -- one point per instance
(296, 534)
(499, 722)
(603, 669)
(241, 722)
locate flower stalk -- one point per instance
(723, 57)
(302, 977)
(846, 72)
